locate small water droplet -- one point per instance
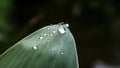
(45, 34)
(62, 53)
(61, 30)
(48, 40)
(48, 29)
(52, 52)
(40, 37)
(51, 35)
(54, 32)
(34, 47)
(67, 25)
(61, 23)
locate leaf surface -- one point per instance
(49, 47)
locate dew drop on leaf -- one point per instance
(34, 47)
(52, 52)
(51, 35)
(48, 29)
(67, 25)
(40, 37)
(61, 30)
(54, 32)
(62, 53)
(48, 40)
(45, 34)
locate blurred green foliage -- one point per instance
(5, 26)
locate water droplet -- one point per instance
(34, 47)
(40, 37)
(48, 40)
(45, 34)
(54, 32)
(61, 30)
(61, 23)
(51, 35)
(48, 29)
(62, 53)
(67, 25)
(52, 52)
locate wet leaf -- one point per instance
(49, 47)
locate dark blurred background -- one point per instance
(95, 25)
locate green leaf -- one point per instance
(49, 47)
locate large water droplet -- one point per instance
(34, 47)
(62, 53)
(61, 30)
